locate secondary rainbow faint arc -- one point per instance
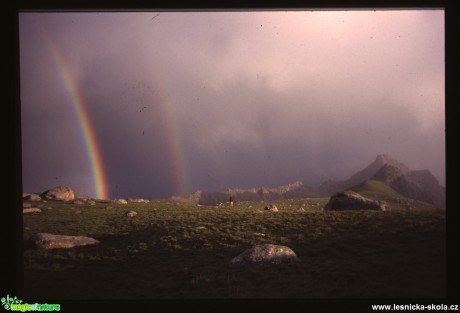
(176, 151)
(89, 136)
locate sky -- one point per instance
(155, 104)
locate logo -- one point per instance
(14, 304)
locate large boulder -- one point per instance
(266, 253)
(50, 241)
(59, 193)
(350, 200)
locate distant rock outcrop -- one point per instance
(289, 191)
(50, 241)
(267, 253)
(350, 200)
(59, 193)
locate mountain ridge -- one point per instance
(416, 184)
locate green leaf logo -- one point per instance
(8, 301)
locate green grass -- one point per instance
(378, 190)
(175, 250)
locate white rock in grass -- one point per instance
(131, 213)
(300, 210)
(255, 235)
(271, 208)
(266, 253)
(50, 241)
(31, 210)
(138, 200)
(33, 197)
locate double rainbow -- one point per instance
(175, 150)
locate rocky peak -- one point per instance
(388, 173)
(385, 159)
(369, 172)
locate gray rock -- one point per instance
(120, 201)
(50, 241)
(131, 213)
(271, 208)
(59, 193)
(350, 200)
(84, 201)
(31, 210)
(26, 205)
(138, 200)
(266, 253)
(33, 197)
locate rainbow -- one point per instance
(175, 149)
(89, 136)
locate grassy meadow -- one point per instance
(174, 250)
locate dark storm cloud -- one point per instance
(257, 98)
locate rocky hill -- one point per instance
(331, 186)
(420, 185)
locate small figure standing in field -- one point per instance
(230, 202)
